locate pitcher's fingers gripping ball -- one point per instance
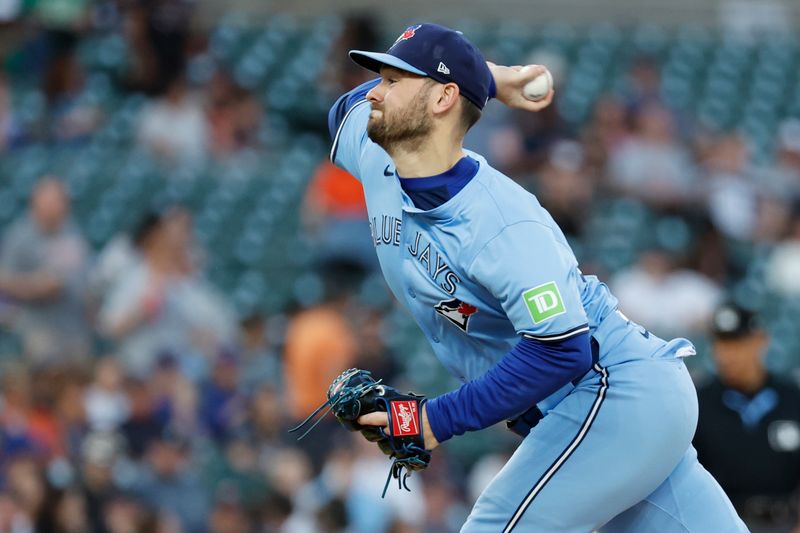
(355, 393)
(529, 88)
(539, 87)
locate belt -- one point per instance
(595, 358)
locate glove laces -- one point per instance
(346, 395)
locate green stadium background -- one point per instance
(274, 262)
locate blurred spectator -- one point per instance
(157, 32)
(43, 263)
(267, 421)
(747, 412)
(101, 452)
(288, 473)
(17, 432)
(261, 363)
(169, 484)
(274, 513)
(671, 300)
(162, 305)
(446, 511)
(367, 511)
(12, 517)
(228, 516)
(41, 413)
(124, 513)
(360, 32)
(11, 129)
(105, 401)
(783, 263)
(565, 188)
(233, 475)
(174, 126)
(731, 193)
(643, 84)
(335, 215)
(222, 405)
(145, 421)
(71, 117)
(60, 400)
(536, 133)
(373, 353)
(651, 164)
(711, 253)
(64, 512)
(26, 484)
(331, 517)
(782, 179)
(234, 116)
(320, 345)
(773, 219)
(134, 301)
(176, 396)
(116, 258)
(607, 131)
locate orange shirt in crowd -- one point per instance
(335, 192)
(320, 345)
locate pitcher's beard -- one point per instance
(404, 130)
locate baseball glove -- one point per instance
(354, 393)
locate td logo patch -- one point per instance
(456, 311)
(544, 302)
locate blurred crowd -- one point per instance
(141, 401)
(134, 396)
(192, 114)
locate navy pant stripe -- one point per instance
(568, 451)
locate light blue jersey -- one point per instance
(478, 271)
(488, 268)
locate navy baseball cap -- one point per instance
(438, 53)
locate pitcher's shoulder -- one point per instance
(507, 199)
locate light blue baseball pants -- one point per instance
(614, 455)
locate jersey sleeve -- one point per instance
(528, 374)
(347, 124)
(535, 279)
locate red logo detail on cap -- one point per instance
(405, 418)
(408, 34)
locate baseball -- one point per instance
(539, 87)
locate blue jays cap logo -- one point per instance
(408, 34)
(457, 312)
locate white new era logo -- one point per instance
(443, 68)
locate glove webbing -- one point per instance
(348, 394)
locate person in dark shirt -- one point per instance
(748, 434)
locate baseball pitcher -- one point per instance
(607, 410)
